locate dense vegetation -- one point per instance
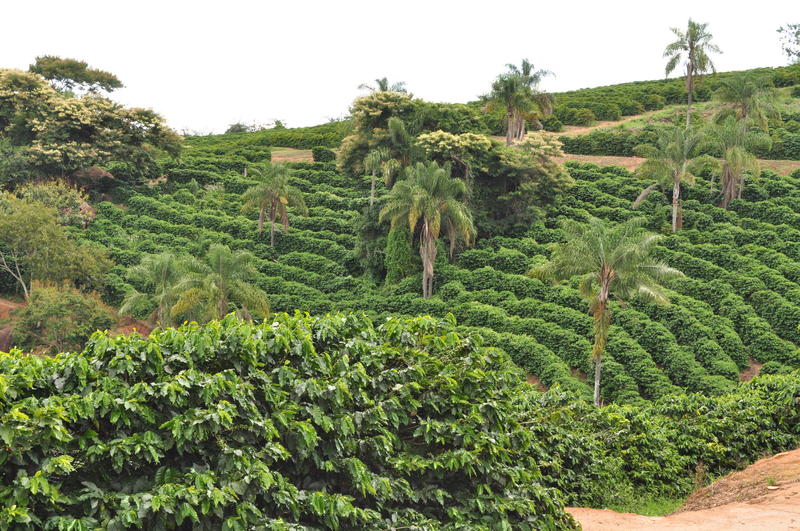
(689, 269)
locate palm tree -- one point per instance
(374, 162)
(429, 200)
(383, 85)
(517, 93)
(735, 140)
(159, 274)
(542, 102)
(612, 261)
(273, 195)
(748, 97)
(223, 277)
(693, 48)
(670, 162)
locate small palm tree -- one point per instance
(223, 277)
(159, 274)
(693, 47)
(272, 196)
(430, 201)
(748, 97)
(735, 140)
(383, 85)
(669, 163)
(611, 261)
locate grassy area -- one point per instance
(649, 506)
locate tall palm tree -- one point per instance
(612, 261)
(735, 140)
(748, 97)
(383, 85)
(541, 102)
(517, 93)
(670, 162)
(158, 274)
(693, 47)
(430, 201)
(272, 196)
(375, 162)
(223, 277)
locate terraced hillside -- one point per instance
(739, 304)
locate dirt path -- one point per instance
(782, 167)
(763, 497)
(7, 306)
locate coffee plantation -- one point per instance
(313, 385)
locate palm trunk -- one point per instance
(509, 127)
(261, 214)
(676, 196)
(598, 362)
(427, 251)
(731, 186)
(272, 214)
(689, 90)
(372, 190)
(602, 320)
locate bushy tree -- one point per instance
(33, 246)
(55, 134)
(68, 74)
(611, 260)
(59, 318)
(69, 201)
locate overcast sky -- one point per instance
(204, 65)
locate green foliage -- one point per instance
(326, 423)
(59, 318)
(55, 134)
(322, 154)
(399, 259)
(33, 246)
(68, 74)
(68, 201)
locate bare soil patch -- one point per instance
(8, 306)
(743, 501)
(291, 155)
(751, 371)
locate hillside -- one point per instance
(425, 300)
(740, 302)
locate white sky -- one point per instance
(204, 65)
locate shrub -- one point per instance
(552, 124)
(323, 154)
(305, 422)
(59, 318)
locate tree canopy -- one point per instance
(69, 74)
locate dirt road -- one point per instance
(762, 497)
